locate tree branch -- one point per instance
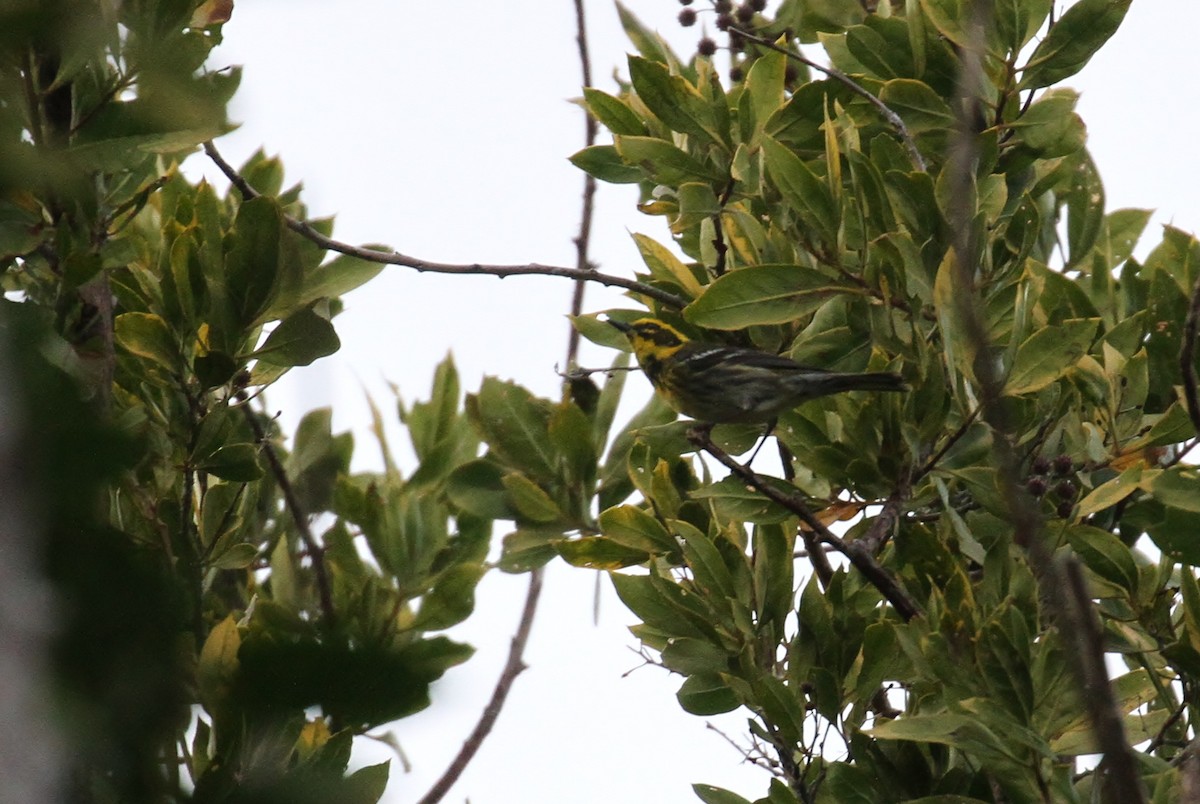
(583, 239)
(858, 553)
(395, 258)
(315, 551)
(512, 668)
(893, 119)
(1060, 580)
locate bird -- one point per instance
(722, 384)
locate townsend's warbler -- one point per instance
(718, 384)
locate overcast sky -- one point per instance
(442, 130)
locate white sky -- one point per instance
(442, 129)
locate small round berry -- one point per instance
(745, 13)
(1064, 509)
(736, 74)
(687, 17)
(1066, 490)
(723, 22)
(758, 5)
(1036, 486)
(706, 47)
(685, 2)
(790, 74)
(723, 6)
(1041, 465)
(1063, 465)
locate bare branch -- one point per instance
(512, 668)
(893, 119)
(858, 553)
(315, 551)
(583, 239)
(395, 258)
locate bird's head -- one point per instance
(652, 340)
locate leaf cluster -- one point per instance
(807, 227)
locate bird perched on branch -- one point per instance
(720, 384)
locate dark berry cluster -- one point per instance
(1060, 471)
(730, 19)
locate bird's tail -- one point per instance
(825, 383)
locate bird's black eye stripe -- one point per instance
(658, 335)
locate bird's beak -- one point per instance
(620, 325)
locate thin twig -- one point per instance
(931, 464)
(1187, 359)
(893, 119)
(315, 551)
(395, 258)
(858, 554)
(583, 239)
(512, 668)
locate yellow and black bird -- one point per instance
(720, 384)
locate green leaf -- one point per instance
(599, 553)
(1111, 492)
(662, 162)
(715, 795)
(735, 501)
(664, 606)
(147, 336)
(1050, 126)
(299, 339)
(451, 600)
(571, 434)
(527, 549)
(217, 666)
(763, 294)
(706, 695)
(921, 109)
(233, 462)
(1105, 555)
(515, 426)
(707, 565)
(781, 706)
(1178, 487)
(804, 192)
(764, 86)
(1049, 354)
(529, 500)
(613, 113)
(634, 528)
(955, 730)
(1017, 21)
(340, 275)
(664, 265)
(672, 100)
(1175, 535)
(695, 656)
(477, 488)
(238, 556)
(252, 265)
(645, 40)
(604, 163)
(1072, 42)
(366, 785)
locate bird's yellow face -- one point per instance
(652, 340)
